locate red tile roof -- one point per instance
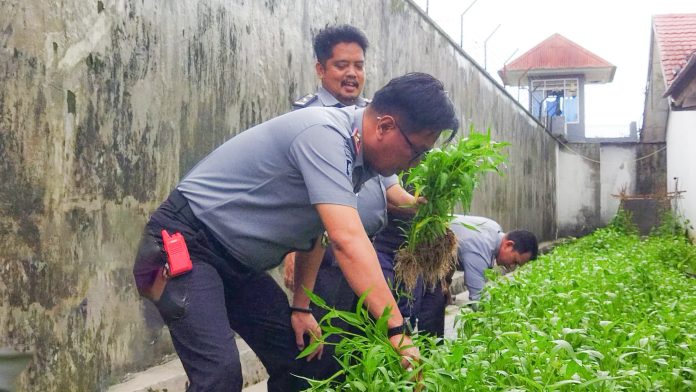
(557, 52)
(676, 40)
(558, 55)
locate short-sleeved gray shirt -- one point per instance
(256, 192)
(477, 249)
(372, 203)
(326, 99)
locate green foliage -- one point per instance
(623, 222)
(367, 359)
(606, 312)
(446, 177)
(672, 225)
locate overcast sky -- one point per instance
(616, 30)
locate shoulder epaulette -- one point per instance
(305, 101)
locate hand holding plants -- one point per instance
(447, 177)
(305, 324)
(410, 355)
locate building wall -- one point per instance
(681, 144)
(617, 175)
(656, 108)
(105, 105)
(578, 189)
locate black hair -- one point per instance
(331, 36)
(419, 101)
(525, 241)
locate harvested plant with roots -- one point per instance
(446, 177)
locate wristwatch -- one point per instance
(402, 329)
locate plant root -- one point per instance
(433, 260)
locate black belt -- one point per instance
(184, 213)
(183, 209)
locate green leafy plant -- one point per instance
(447, 177)
(367, 359)
(607, 312)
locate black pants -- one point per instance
(423, 307)
(202, 307)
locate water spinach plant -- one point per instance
(608, 312)
(446, 177)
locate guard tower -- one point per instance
(555, 72)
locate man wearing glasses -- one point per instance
(274, 189)
(340, 55)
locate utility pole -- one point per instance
(461, 24)
(485, 49)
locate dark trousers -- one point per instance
(424, 307)
(202, 307)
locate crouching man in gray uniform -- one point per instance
(485, 246)
(271, 190)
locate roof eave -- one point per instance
(591, 74)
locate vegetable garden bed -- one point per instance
(607, 312)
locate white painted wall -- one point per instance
(577, 189)
(617, 173)
(681, 148)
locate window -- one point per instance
(556, 97)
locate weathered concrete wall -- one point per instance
(106, 104)
(617, 174)
(651, 168)
(681, 145)
(578, 189)
(656, 109)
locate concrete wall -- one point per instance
(681, 144)
(617, 174)
(578, 189)
(651, 169)
(106, 104)
(656, 109)
(592, 175)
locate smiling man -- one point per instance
(340, 53)
(271, 190)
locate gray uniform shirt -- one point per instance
(477, 249)
(256, 192)
(324, 98)
(372, 202)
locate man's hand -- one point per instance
(305, 323)
(402, 203)
(410, 355)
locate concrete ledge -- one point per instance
(171, 376)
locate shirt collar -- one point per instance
(361, 169)
(498, 241)
(327, 99)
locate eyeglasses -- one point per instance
(417, 154)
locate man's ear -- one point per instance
(320, 70)
(387, 122)
(383, 125)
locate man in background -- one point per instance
(340, 53)
(483, 245)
